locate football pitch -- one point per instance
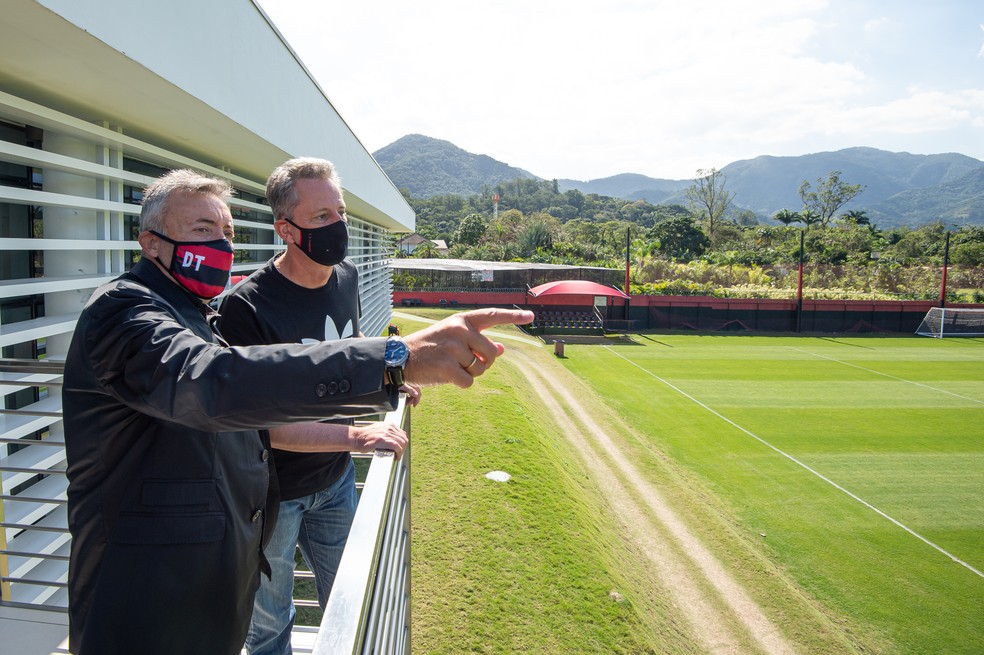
(856, 462)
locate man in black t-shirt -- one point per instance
(307, 294)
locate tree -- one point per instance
(830, 195)
(967, 246)
(746, 218)
(426, 250)
(728, 236)
(575, 198)
(535, 236)
(969, 254)
(581, 231)
(509, 223)
(912, 246)
(639, 212)
(497, 232)
(786, 217)
(809, 217)
(708, 197)
(856, 216)
(679, 238)
(471, 230)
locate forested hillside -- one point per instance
(766, 184)
(959, 201)
(676, 249)
(899, 188)
(877, 226)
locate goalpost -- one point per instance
(943, 322)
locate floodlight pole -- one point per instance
(628, 242)
(799, 289)
(946, 264)
(628, 233)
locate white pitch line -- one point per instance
(887, 375)
(805, 466)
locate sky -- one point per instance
(577, 89)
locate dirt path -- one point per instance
(721, 613)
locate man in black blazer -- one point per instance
(167, 457)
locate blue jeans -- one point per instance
(319, 524)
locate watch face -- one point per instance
(396, 352)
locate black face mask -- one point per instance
(325, 245)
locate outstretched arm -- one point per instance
(454, 350)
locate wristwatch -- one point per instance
(396, 357)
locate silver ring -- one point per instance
(473, 362)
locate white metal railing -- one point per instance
(34, 537)
(367, 612)
(369, 607)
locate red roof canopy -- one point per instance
(575, 287)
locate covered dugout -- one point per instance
(561, 310)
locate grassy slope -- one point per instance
(913, 452)
(519, 567)
(526, 566)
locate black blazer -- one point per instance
(167, 472)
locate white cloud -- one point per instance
(921, 112)
(582, 89)
(876, 24)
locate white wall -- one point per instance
(227, 55)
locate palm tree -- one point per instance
(786, 217)
(426, 250)
(809, 217)
(856, 216)
(534, 236)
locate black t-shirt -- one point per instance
(267, 308)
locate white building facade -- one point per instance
(97, 98)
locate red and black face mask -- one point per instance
(201, 267)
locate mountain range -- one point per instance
(899, 188)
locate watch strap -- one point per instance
(394, 376)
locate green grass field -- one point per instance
(805, 438)
(839, 480)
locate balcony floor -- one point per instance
(39, 632)
(33, 632)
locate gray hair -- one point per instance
(157, 194)
(281, 189)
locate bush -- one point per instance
(873, 281)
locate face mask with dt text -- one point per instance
(201, 267)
